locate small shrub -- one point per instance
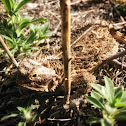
(13, 27)
(110, 101)
(27, 115)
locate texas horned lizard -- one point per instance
(37, 75)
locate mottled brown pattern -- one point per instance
(37, 75)
(95, 46)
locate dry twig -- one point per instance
(113, 29)
(117, 55)
(65, 14)
(8, 52)
(119, 64)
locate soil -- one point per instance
(91, 44)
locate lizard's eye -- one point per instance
(34, 75)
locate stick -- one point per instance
(65, 15)
(115, 36)
(117, 55)
(118, 64)
(8, 52)
(113, 28)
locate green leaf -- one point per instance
(110, 109)
(8, 38)
(25, 19)
(14, 49)
(32, 37)
(97, 96)
(98, 88)
(45, 27)
(7, 5)
(14, 34)
(21, 27)
(101, 90)
(26, 23)
(9, 26)
(9, 116)
(92, 120)
(106, 122)
(22, 124)
(118, 94)
(120, 116)
(12, 3)
(48, 33)
(120, 104)
(103, 122)
(38, 20)
(21, 108)
(45, 35)
(21, 4)
(95, 102)
(120, 110)
(109, 89)
(123, 98)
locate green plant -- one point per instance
(13, 26)
(110, 101)
(27, 115)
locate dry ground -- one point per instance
(91, 43)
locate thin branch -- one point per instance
(8, 51)
(115, 36)
(65, 14)
(117, 55)
(118, 64)
(62, 120)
